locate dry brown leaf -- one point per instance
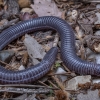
(93, 43)
(96, 86)
(25, 58)
(46, 8)
(24, 3)
(3, 22)
(27, 16)
(79, 33)
(29, 10)
(1, 2)
(86, 24)
(85, 86)
(61, 95)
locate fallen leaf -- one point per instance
(29, 10)
(46, 8)
(78, 80)
(3, 22)
(24, 3)
(27, 16)
(98, 16)
(35, 50)
(61, 95)
(86, 24)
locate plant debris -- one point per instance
(60, 83)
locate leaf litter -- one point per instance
(19, 55)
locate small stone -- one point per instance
(97, 33)
(98, 16)
(62, 77)
(35, 61)
(73, 83)
(97, 56)
(31, 97)
(97, 47)
(89, 51)
(91, 95)
(21, 67)
(74, 14)
(6, 55)
(98, 6)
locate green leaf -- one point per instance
(57, 65)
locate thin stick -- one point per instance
(44, 84)
(60, 74)
(58, 82)
(5, 63)
(66, 68)
(29, 86)
(22, 85)
(52, 84)
(22, 90)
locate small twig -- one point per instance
(44, 84)
(5, 63)
(22, 90)
(60, 74)
(12, 46)
(58, 82)
(22, 85)
(92, 1)
(52, 84)
(26, 85)
(66, 68)
(19, 49)
(62, 87)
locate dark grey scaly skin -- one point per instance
(68, 53)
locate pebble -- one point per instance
(97, 58)
(98, 6)
(21, 67)
(97, 33)
(98, 16)
(6, 55)
(62, 77)
(73, 83)
(91, 95)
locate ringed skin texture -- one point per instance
(68, 53)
